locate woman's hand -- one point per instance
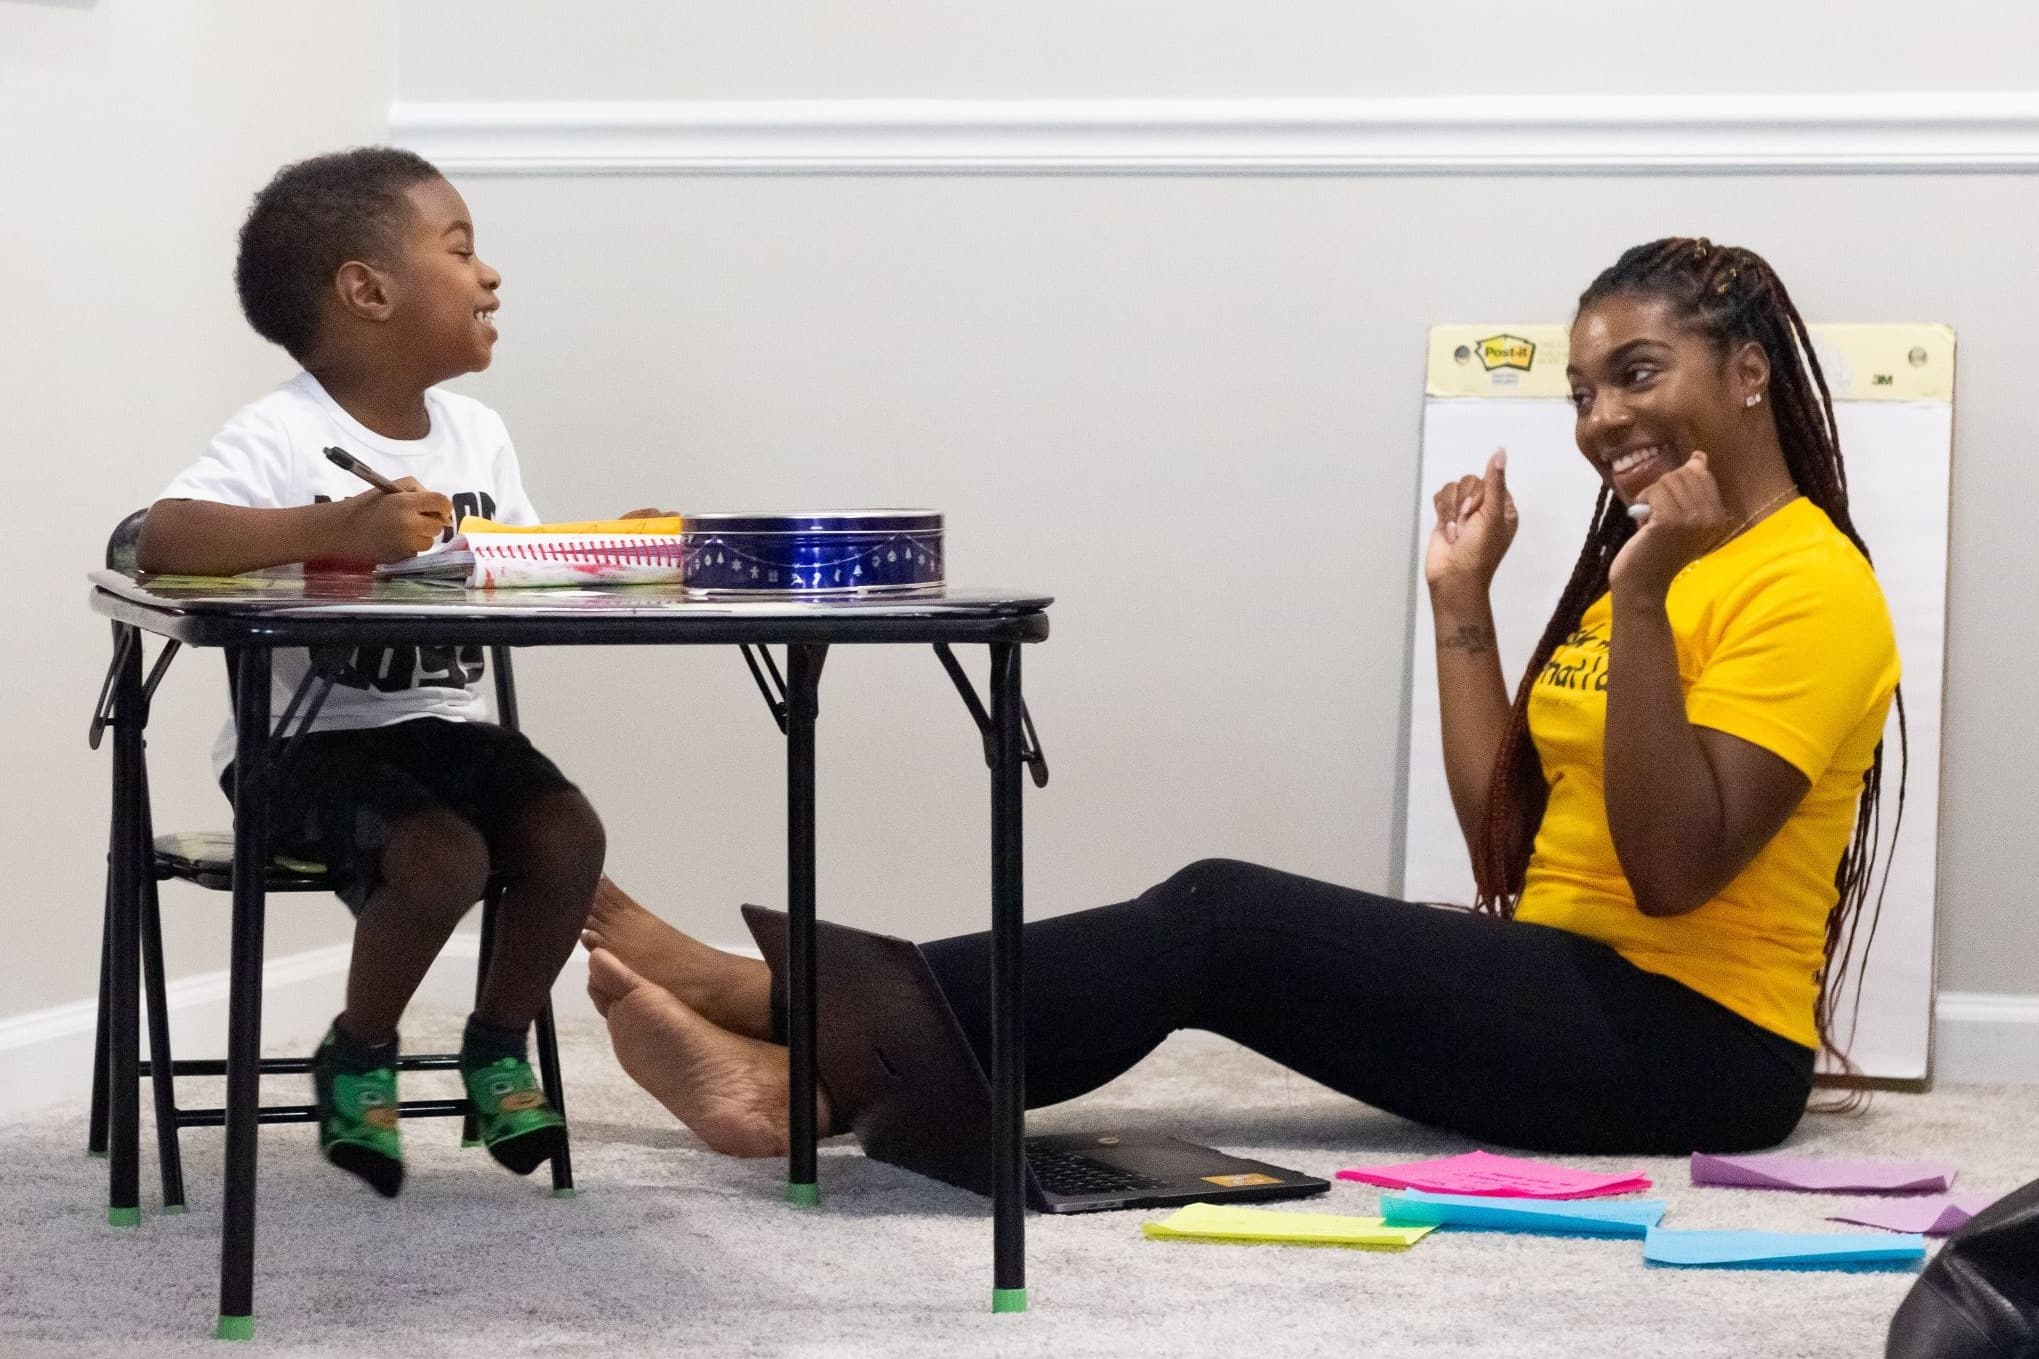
(1475, 525)
(1687, 520)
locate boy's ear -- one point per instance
(363, 290)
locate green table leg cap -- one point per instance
(1008, 1299)
(566, 1193)
(174, 1209)
(95, 1155)
(467, 1142)
(803, 1195)
(235, 1328)
(124, 1217)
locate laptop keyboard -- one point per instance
(1068, 1172)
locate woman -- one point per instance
(1671, 824)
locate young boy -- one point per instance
(362, 265)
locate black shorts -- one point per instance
(343, 791)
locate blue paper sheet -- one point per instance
(1783, 1250)
(1633, 1217)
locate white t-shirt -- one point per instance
(271, 455)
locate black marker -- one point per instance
(347, 462)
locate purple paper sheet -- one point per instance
(1935, 1215)
(1822, 1174)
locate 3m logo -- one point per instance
(1506, 351)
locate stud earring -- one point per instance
(1752, 398)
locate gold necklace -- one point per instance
(1789, 493)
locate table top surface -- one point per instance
(289, 607)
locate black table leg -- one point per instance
(244, 1002)
(1008, 1054)
(803, 670)
(123, 1207)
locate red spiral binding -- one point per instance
(623, 552)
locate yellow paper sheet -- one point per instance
(670, 523)
(1211, 1222)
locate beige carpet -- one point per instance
(670, 1250)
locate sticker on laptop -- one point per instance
(1240, 1181)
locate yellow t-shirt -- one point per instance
(1784, 641)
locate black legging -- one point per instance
(1509, 1033)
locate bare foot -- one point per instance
(728, 1089)
(732, 992)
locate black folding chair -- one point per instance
(207, 859)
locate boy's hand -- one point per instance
(649, 514)
(386, 526)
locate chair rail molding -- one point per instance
(1607, 134)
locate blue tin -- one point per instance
(830, 553)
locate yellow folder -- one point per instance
(670, 523)
(1210, 1222)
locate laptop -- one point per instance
(891, 1049)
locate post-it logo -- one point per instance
(1506, 351)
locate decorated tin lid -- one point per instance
(818, 521)
(821, 552)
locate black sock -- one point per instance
(483, 1043)
(351, 1055)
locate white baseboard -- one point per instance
(1978, 1036)
(46, 1055)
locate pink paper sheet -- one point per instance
(1935, 1215)
(1822, 1175)
(1480, 1172)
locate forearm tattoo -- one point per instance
(1470, 638)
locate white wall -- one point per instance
(1186, 405)
(988, 49)
(132, 135)
(1188, 408)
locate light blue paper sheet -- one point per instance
(1632, 1217)
(1783, 1250)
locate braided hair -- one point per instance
(1731, 296)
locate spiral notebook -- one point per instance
(488, 555)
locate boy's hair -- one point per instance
(309, 220)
